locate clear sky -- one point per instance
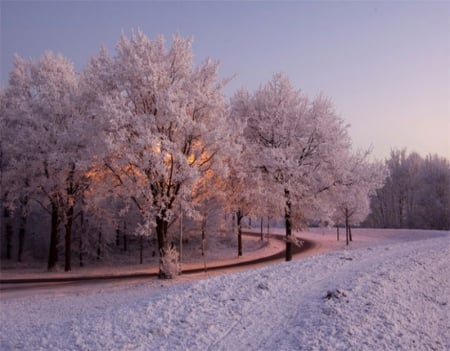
(385, 65)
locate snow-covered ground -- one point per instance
(218, 247)
(388, 291)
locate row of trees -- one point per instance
(148, 132)
(416, 193)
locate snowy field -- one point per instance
(388, 291)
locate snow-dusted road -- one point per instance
(389, 291)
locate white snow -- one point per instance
(388, 291)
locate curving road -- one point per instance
(20, 283)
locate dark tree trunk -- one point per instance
(233, 222)
(288, 223)
(161, 234)
(400, 213)
(117, 236)
(350, 232)
(124, 236)
(204, 243)
(141, 248)
(80, 243)
(239, 217)
(68, 240)
(203, 237)
(80, 247)
(99, 245)
(22, 230)
(9, 232)
(70, 207)
(53, 251)
(262, 237)
(22, 227)
(337, 231)
(347, 234)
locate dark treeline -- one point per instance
(415, 195)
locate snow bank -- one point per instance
(386, 296)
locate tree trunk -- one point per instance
(22, 227)
(80, 249)
(9, 232)
(117, 236)
(337, 231)
(233, 223)
(161, 234)
(288, 223)
(53, 251)
(68, 240)
(203, 236)
(239, 217)
(346, 227)
(99, 244)
(204, 243)
(22, 230)
(262, 229)
(80, 243)
(350, 232)
(181, 240)
(124, 236)
(141, 248)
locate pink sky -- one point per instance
(385, 65)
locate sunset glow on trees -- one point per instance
(145, 137)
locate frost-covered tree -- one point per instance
(166, 120)
(247, 193)
(300, 144)
(359, 180)
(55, 140)
(6, 229)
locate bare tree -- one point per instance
(416, 193)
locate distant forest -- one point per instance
(416, 193)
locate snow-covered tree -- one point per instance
(55, 141)
(6, 229)
(167, 124)
(300, 145)
(359, 180)
(246, 191)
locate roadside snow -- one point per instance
(218, 248)
(389, 290)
